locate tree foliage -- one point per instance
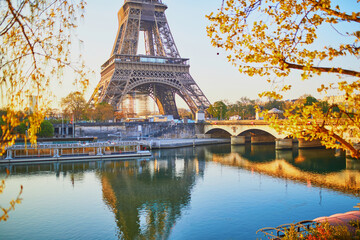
(46, 129)
(218, 110)
(35, 46)
(22, 128)
(272, 38)
(102, 112)
(185, 113)
(310, 100)
(245, 108)
(74, 105)
(274, 104)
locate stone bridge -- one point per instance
(241, 127)
(258, 132)
(254, 131)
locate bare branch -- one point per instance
(13, 20)
(322, 69)
(21, 25)
(331, 12)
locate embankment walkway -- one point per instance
(175, 143)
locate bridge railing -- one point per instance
(237, 122)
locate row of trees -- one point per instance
(75, 107)
(246, 108)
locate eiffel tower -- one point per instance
(161, 73)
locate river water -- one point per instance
(211, 192)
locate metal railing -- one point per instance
(145, 59)
(72, 149)
(280, 231)
(75, 145)
(146, 1)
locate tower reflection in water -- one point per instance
(148, 197)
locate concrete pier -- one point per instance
(260, 139)
(310, 144)
(282, 144)
(238, 140)
(282, 154)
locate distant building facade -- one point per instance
(341, 99)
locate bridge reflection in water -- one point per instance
(320, 167)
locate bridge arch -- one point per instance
(238, 128)
(255, 131)
(219, 133)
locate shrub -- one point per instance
(46, 129)
(323, 231)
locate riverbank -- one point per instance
(177, 143)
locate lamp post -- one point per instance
(221, 113)
(73, 127)
(62, 125)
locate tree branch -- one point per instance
(323, 69)
(343, 142)
(14, 13)
(13, 60)
(13, 20)
(332, 12)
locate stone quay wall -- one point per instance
(132, 130)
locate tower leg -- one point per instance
(165, 99)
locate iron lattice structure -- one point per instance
(160, 74)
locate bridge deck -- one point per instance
(237, 122)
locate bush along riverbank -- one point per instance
(325, 231)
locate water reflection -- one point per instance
(147, 199)
(310, 160)
(177, 168)
(319, 167)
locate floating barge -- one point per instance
(74, 152)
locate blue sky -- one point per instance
(217, 78)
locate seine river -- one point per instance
(212, 192)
